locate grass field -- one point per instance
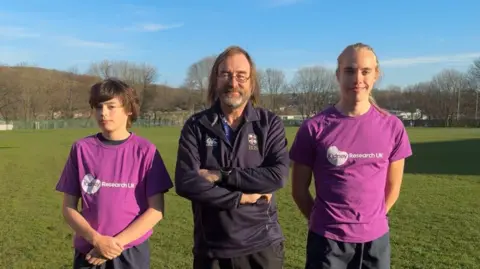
(435, 224)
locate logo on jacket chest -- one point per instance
(252, 142)
(211, 142)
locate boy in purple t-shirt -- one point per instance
(356, 153)
(120, 179)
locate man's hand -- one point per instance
(95, 258)
(212, 176)
(108, 247)
(253, 198)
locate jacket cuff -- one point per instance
(232, 179)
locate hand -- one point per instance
(209, 175)
(107, 246)
(254, 197)
(94, 257)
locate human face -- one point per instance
(233, 81)
(111, 116)
(357, 73)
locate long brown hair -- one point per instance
(356, 47)
(212, 81)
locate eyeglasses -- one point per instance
(239, 77)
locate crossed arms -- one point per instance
(198, 185)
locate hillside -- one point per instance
(28, 93)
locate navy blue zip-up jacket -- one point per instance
(224, 228)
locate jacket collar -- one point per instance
(212, 115)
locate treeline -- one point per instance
(32, 93)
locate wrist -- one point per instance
(95, 238)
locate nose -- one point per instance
(103, 111)
(358, 76)
(232, 82)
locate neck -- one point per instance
(116, 135)
(353, 109)
(233, 116)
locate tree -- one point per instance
(197, 76)
(446, 92)
(474, 78)
(315, 87)
(272, 82)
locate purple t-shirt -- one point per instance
(349, 157)
(114, 183)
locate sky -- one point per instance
(414, 40)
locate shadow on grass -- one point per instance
(460, 157)
(8, 148)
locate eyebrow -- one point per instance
(109, 103)
(351, 68)
(241, 71)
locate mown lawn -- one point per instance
(435, 224)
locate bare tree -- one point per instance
(449, 85)
(474, 78)
(272, 83)
(197, 76)
(148, 76)
(316, 88)
(100, 69)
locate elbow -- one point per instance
(283, 176)
(181, 190)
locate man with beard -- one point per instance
(231, 159)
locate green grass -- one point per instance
(435, 224)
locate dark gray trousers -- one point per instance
(137, 257)
(268, 258)
(323, 253)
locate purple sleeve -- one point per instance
(69, 182)
(157, 179)
(401, 148)
(303, 149)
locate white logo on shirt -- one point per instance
(211, 142)
(338, 157)
(91, 185)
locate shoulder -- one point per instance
(193, 121)
(85, 142)
(316, 123)
(267, 116)
(391, 120)
(143, 144)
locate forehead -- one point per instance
(114, 101)
(361, 59)
(235, 63)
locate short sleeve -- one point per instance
(402, 148)
(157, 178)
(69, 182)
(303, 149)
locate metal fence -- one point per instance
(86, 123)
(179, 121)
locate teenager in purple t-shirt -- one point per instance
(356, 153)
(120, 179)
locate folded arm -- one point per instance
(273, 172)
(190, 184)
